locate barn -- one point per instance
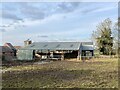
(56, 50)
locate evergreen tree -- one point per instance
(103, 37)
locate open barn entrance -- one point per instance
(41, 55)
(87, 54)
(71, 54)
(55, 55)
(48, 55)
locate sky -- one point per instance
(52, 21)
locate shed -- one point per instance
(10, 46)
(6, 53)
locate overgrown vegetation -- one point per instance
(102, 73)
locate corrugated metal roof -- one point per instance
(10, 46)
(5, 49)
(87, 47)
(54, 46)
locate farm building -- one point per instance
(7, 52)
(10, 46)
(56, 50)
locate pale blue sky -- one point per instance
(51, 21)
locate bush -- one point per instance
(96, 55)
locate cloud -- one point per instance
(20, 12)
(11, 26)
(31, 12)
(42, 36)
(89, 10)
(4, 26)
(9, 15)
(97, 9)
(68, 7)
(104, 9)
(49, 19)
(2, 30)
(33, 15)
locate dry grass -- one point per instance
(97, 73)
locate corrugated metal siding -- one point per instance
(25, 54)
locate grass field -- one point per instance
(98, 73)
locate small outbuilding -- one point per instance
(56, 50)
(7, 52)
